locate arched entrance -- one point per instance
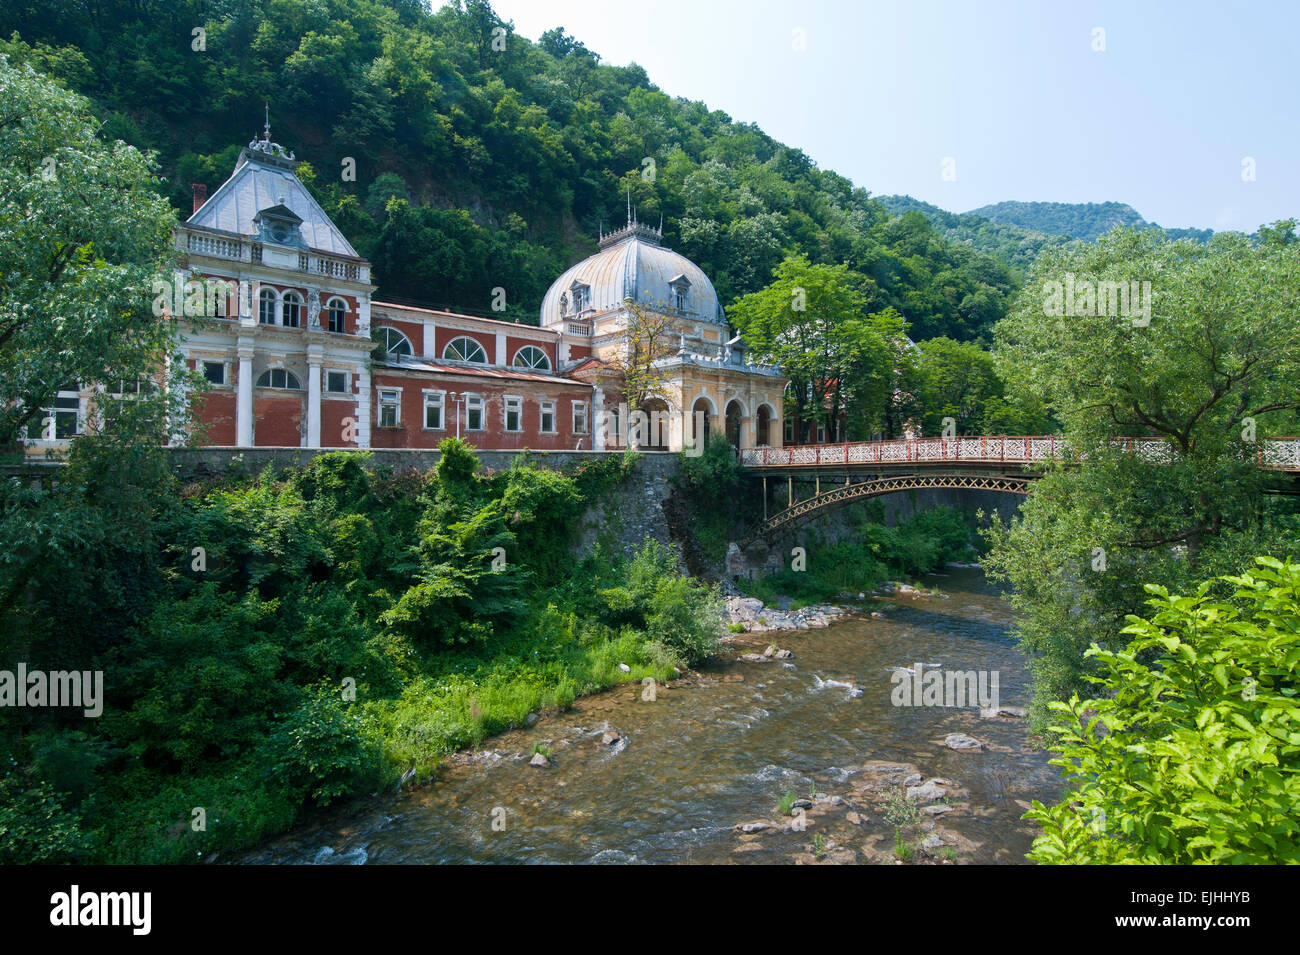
(702, 417)
(735, 414)
(764, 427)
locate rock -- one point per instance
(784, 654)
(853, 818)
(931, 842)
(993, 712)
(938, 809)
(862, 596)
(802, 804)
(877, 615)
(539, 760)
(771, 649)
(748, 827)
(755, 657)
(531, 719)
(625, 668)
(826, 800)
(913, 780)
(610, 738)
(962, 743)
(926, 792)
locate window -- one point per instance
(266, 307)
(392, 343)
(579, 297)
(679, 299)
(278, 378)
(548, 416)
(336, 382)
(433, 405)
(580, 417)
(390, 407)
(789, 430)
(532, 357)
(215, 372)
(122, 388)
(473, 412)
(821, 434)
(59, 420)
(514, 413)
(335, 313)
(465, 349)
(291, 308)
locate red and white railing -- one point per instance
(1280, 454)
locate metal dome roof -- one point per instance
(632, 263)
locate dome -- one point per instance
(633, 263)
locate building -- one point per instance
(297, 352)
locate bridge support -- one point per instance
(764, 497)
(789, 491)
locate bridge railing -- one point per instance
(1278, 454)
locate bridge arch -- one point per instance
(800, 512)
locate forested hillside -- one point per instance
(1077, 220)
(483, 159)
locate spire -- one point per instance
(629, 206)
(266, 130)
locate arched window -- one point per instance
(292, 305)
(266, 307)
(278, 378)
(465, 349)
(531, 356)
(392, 343)
(335, 313)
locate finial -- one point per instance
(267, 128)
(629, 205)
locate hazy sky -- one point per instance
(1013, 92)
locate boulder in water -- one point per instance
(962, 743)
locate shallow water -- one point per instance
(721, 747)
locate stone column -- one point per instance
(363, 403)
(598, 422)
(244, 405)
(314, 355)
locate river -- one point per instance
(719, 749)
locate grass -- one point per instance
(786, 803)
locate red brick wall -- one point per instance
(277, 419)
(332, 413)
(216, 410)
(412, 434)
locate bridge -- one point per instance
(980, 463)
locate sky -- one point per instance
(1186, 111)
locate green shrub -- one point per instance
(1191, 751)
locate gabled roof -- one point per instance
(259, 185)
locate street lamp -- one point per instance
(456, 398)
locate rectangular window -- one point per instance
(433, 403)
(514, 413)
(821, 434)
(336, 382)
(58, 421)
(390, 408)
(215, 372)
(548, 416)
(580, 417)
(789, 430)
(473, 412)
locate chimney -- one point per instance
(200, 195)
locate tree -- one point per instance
(1210, 369)
(1189, 752)
(83, 236)
(647, 340)
(811, 320)
(957, 380)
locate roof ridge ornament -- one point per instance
(264, 149)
